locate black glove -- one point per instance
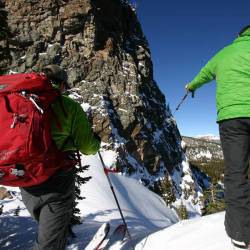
(189, 90)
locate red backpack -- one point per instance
(28, 155)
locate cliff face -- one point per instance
(101, 45)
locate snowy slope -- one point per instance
(206, 233)
(144, 211)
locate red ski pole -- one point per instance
(116, 200)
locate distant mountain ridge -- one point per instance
(203, 148)
(209, 137)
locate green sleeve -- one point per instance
(82, 134)
(206, 74)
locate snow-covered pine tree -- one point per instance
(76, 219)
(1, 209)
(167, 191)
(182, 211)
(17, 211)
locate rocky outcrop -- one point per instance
(108, 61)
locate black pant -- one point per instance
(50, 204)
(235, 140)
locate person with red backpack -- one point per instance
(44, 128)
(231, 69)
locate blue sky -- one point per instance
(183, 36)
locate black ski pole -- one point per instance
(183, 99)
(116, 200)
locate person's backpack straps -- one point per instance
(7, 104)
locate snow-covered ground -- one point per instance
(152, 225)
(206, 233)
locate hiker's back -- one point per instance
(231, 67)
(234, 62)
(71, 129)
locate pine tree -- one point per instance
(76, 219)
(186, 193)
(182, 211)
(17, 211)
(202, 203)
(214, 201)
(1, 209)
(4, 38)
(167, 191)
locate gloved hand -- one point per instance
(189, 90)
(187, 87)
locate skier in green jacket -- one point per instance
(51, 202)
(231, 69)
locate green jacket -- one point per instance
(231, 69)
(75, 132)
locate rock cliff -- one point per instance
(107, 57)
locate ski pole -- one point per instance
(183, 99)
(116, 200)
